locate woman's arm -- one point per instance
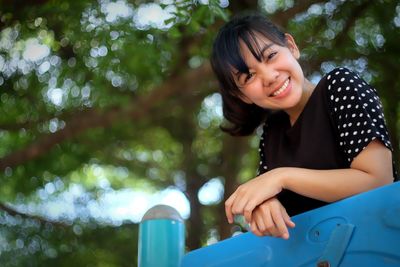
(370, 169)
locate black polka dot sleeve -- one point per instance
(262, 167)
(357, 112)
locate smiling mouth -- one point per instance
(282, 89)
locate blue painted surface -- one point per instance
(373, 242)
(161, 243)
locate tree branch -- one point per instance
(92, 118)
(42, 220)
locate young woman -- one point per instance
(320, 143)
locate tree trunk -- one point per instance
(195, 225)
(184, 129)
(233, 150)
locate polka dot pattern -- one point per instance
(263, 164)
(357, 111)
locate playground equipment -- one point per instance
(363, 230)
(161, 238)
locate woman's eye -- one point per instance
(271, 55)
(248, 77)
(244, 78)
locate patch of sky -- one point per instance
(116, 10)
(55, 96)
(211, 110)
(271, 6)
(396, 19)
(315, 77)
(99, 51)
(153, 15)
(224, 3)
(328, 66)
(85, 92)
(195, 62)
(359, 65)
(330, 8)
(2, 63)
(379, 40)
(221, 3)
(211, 192)
(34, 51)
(8, 37)
(44, 67)
(55, 124)
(117, 81)
(213, 237)
(109, 206)
(91, 19)
(22, 55)
(315, 9)
(179, 180)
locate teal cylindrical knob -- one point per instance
(161, 238)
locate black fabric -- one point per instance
(328, 134)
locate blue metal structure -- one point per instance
(363, 230)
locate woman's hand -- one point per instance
(270, 218)
(252, 193)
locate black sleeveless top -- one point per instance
(342, 116)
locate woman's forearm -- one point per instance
(370, 169)
(329, 185)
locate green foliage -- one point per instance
(29, 242)
(94, 98)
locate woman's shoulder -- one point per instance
(339, 71)
(343, 76)
(335, 79)
(343, 82)
(356, 111)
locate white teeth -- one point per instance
(280, 90)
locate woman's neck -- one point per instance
(295, 111)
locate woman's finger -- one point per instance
(228, 208)
(258, 218)
(248, 210)
(255, 230)
(280, 224)
(235, 205)
(287, 218)
(270, 227)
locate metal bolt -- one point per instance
(323, 264)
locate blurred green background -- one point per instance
(110, 107)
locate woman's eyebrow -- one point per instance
(266, 47)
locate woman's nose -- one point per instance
(269, 76)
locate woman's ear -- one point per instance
(291, 44)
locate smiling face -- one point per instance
(256, 66)
(273, 78)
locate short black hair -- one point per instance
(226, 56)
